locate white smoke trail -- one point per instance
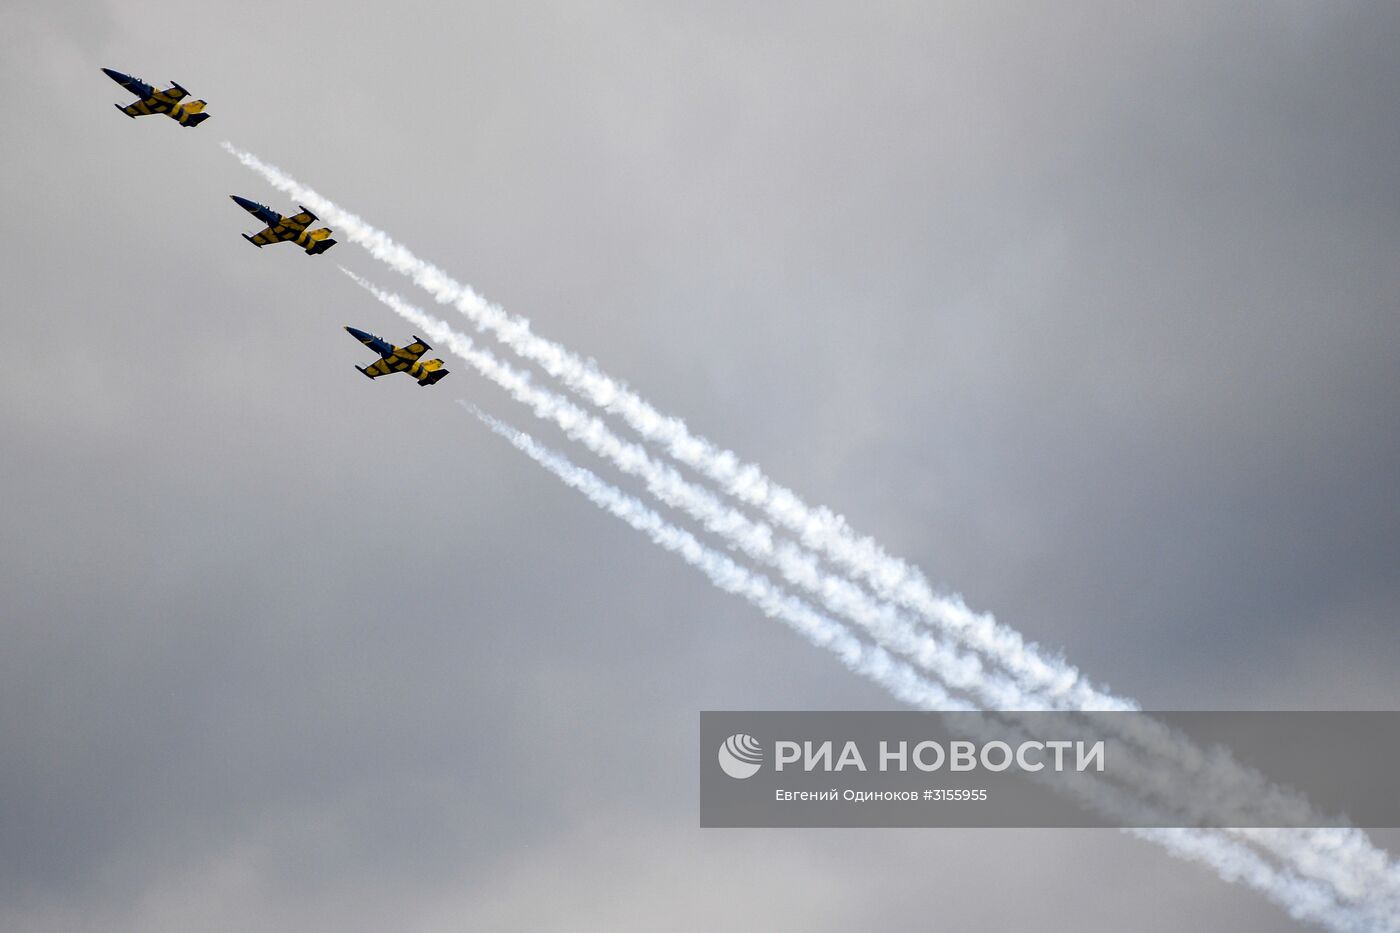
(1213, 783)
(1058, 684)
(868, 660)
(818, 528)
(890, 628)
(1303, 900)
(892, 631)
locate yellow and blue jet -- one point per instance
(282, 229)
(394, 359)
(170, 101)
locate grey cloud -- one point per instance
(1089, 312)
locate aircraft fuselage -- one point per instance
(135, 85)
(264, 213)
(378, 344)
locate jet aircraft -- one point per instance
(394, 359)
(280, 229)
(152, 101)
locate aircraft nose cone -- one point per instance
(116, 76)
(357, 334)
(244, 203)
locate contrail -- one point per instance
(892, 631)
(868, 660)
(1304, 900)
(817, 528)
(889, 628)
(1223, 781)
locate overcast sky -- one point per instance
(1090, 314)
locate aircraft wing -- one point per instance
(304, 219)
(414, 350)
(265, 236)
(144, 108)
(172, 95)
(377, 368)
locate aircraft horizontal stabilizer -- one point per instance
(432, 377)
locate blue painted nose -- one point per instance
(247, 205)
(360, 335)
(126, 81)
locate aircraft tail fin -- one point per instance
(434, 373)
(320, 241)
(195, 119)
(319, 247)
